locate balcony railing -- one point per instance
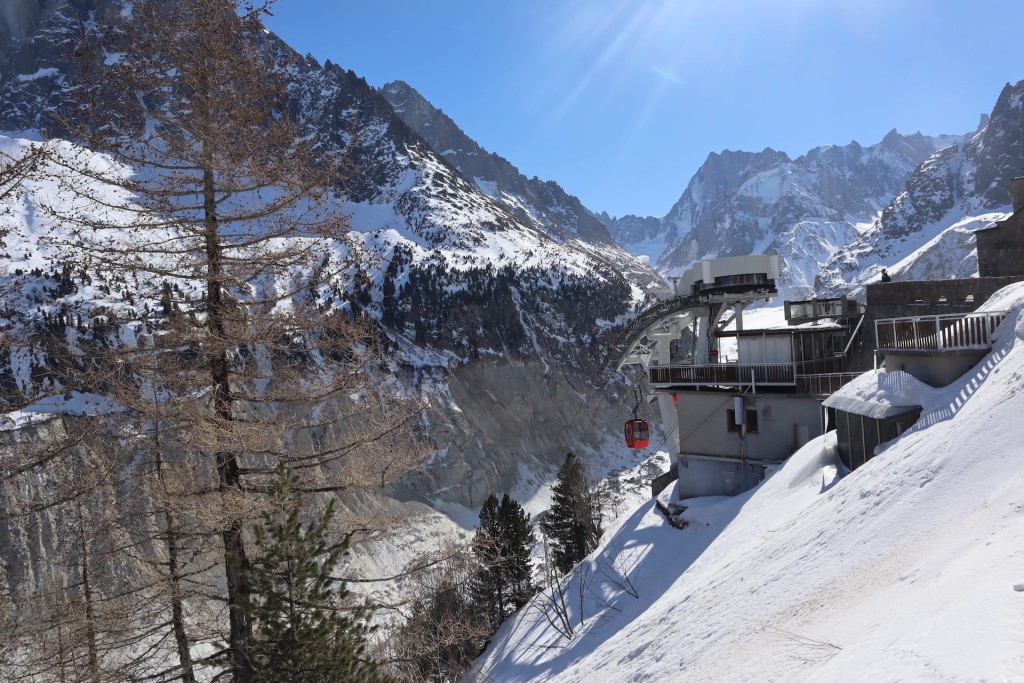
(765, 374)
(725, 374)
(937, 332)
(824, 384)
(819, 366)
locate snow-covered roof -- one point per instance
(881, 395)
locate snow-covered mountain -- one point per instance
(535, 202)
(923, 233)
(838, 214)
(515, 304)
(908, 568)
(804, 209)
(532, 200)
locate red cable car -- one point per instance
(638, 433)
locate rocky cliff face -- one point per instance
(804, 209)
(638, 231)
(958, 189)
(18, 18)
(533, 201)
(718, 212)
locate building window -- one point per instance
(751, 420)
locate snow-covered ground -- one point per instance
(909, 568)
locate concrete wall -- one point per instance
(1001, 248)
(702, 423)
(784, 423)
(699, 478)
(703, 420)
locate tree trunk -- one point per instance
(90, 615)
(228, 473)
(177, 610)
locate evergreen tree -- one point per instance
(301, 631)
(574, 521)
(502, 546)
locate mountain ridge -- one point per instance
(493, 174)
(805, 209)
(543, 204)
(452, 276)
(965, 184)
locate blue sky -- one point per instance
(621, 101)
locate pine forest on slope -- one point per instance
(451, 275)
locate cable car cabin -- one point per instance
(638, 433)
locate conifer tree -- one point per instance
(502, 546)
(303, 632)
(219, 236)
(574, 521)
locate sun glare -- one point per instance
(614, 48)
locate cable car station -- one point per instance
(736, 400)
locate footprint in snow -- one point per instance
(1019, 587)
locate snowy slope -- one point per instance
(909, 568)
(533, 201)
(453, 239)
(38, 305)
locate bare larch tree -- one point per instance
(222, 238)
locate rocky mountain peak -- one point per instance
(924, 231)
(913, 146)
(461, 269)
(805, 209)
(404, 97)
(543, 204)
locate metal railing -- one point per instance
(765, 374)
(823, 384)
(937, 332)
(729, 374)
(821, 366)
